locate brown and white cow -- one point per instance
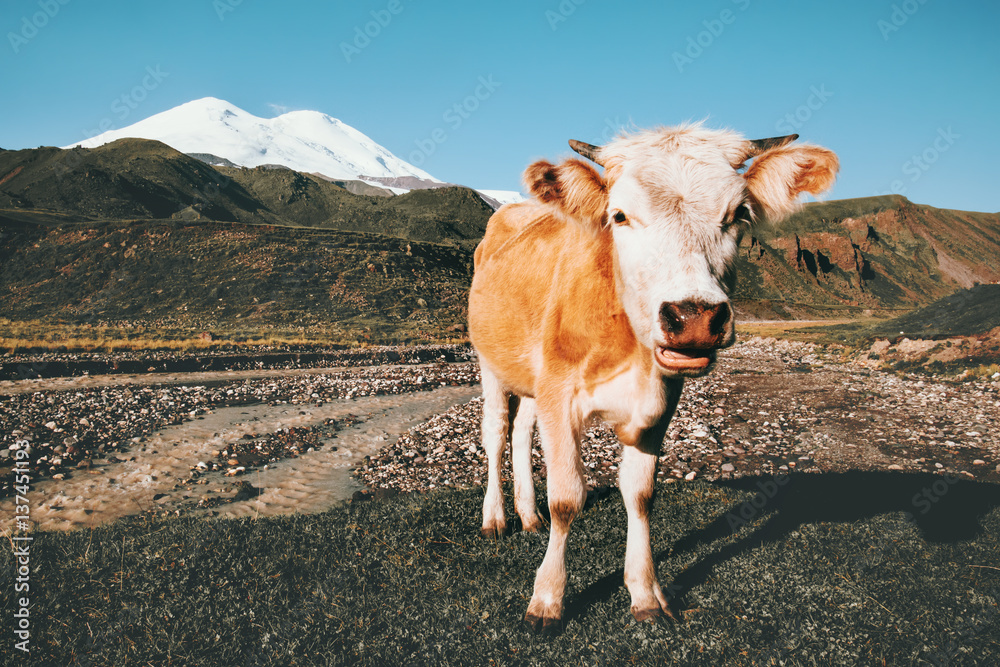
(598, 297)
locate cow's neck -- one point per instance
(617, 376)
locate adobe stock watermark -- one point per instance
(364, 34)
(21, 543)
(121, 108)
(749, 510)
(702, 41)
(129, 101)
(898, 17)
(613, 127)
(454, 117)
(223, 7)
(562, 13)
(793, 121)
(923, 501)
(31, 25)
(920, 163)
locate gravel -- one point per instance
(66, 431)
(772, 407)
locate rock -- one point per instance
(728, 467)
(979, 462)
(690, 476)
(895, 466)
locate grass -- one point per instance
(830, 569)
(984, 371)
(819, 331)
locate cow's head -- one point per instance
(675, 202)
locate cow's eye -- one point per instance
(619, 218)
(742, 214)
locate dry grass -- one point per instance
(810, 331)
(37, 336)
(983, 372)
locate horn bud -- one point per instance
(758, 146)
(588, 151)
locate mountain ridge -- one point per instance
(305, 141)
(869, 253)
(146, 179)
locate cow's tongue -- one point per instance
(670, 358)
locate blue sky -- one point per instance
(906, 91)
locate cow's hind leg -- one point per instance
(567, 493)
(524, 483)
(495, 414)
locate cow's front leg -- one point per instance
(495, 415)
(567, 493)
(636, 479)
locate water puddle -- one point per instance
(312, 482)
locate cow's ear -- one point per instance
(778, 176)
(574, 186)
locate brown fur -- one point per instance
(573, 186)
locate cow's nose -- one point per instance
(693, 324)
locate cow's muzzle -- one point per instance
(692, 331)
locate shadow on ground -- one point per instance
(944, 508)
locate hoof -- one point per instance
(531, 526)
(494, 531)
(547, 627)
(655, 615)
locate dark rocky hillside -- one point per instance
(208, 275)
(879, 254)
(965, 313)
(452, 214)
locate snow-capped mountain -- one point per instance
(502, 196)
(306, 141)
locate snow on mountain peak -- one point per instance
(307, 141)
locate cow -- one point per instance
(599, 296)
